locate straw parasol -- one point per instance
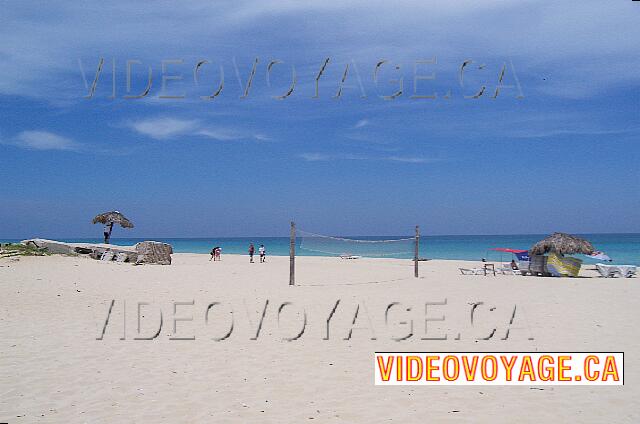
(564, 244)
(113, 217)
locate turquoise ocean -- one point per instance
(622, 248)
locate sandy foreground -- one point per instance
(53, 368)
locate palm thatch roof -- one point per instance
(562, 243)
(115, 217)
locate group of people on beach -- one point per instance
(215, 253)
(262, 252)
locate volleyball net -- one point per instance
(370, 247)
(313, 244)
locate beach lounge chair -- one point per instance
(606, 271)
(122, 257)
(471, 271)
(628, 271)
(504, 270)
(107, 256)
(610, 271)
(349, 256)
(523, 267)
(507, 270)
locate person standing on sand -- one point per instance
(252, 250)
(108, 228)
(214, 253)
(262, 251)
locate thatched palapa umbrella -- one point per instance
(563, 244)
(110, 218)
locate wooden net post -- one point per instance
(416, 254)
(292, 255)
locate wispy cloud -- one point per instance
(570, 132)
(220, 134)
(43, 140)
(538, 37)
(361, 123)
(324, 157)
(315, 157)
(262, 137)
(409, 159)
(165, 128)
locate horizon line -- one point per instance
(341, 235)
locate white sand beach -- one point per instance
(53, 368)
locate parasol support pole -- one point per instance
(292, 255)
(416, 254)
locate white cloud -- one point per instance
(323, 157)
(44, 44)
(165, 128)
(570, 132)
(361, 123)
(220, 134)
(315, 157)
(262, 137)
(44, 140)
(408, 159)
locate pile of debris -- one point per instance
(153, 252)
(8, 250)
(146, 252)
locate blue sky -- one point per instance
(563, 157)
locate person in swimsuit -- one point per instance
(252, 250)
(108, 228)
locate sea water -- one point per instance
(622, 248)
